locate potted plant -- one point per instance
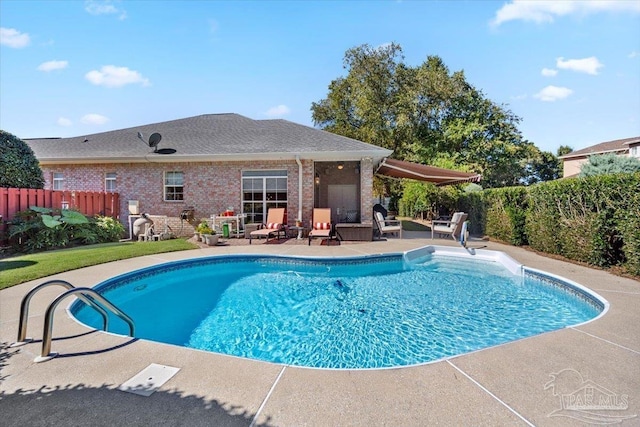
(208, 234)
(298, 222)
(211, 239)
(202, 229)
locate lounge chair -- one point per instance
(388, 225)
(451, 227)
(321, 224)
(274, 225)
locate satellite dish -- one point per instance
(153, 142)
(154, 139)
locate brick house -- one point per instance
(573, 161)
(214, 162)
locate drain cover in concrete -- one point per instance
(149, 379)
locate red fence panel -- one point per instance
(90, 203)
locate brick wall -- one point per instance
(210, 187)
(366, 191)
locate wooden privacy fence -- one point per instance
(89, 203)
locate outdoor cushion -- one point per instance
(322, 226)
(273, 225)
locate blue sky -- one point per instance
(570, 70)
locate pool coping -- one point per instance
(504, 384)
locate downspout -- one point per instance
(299, 187)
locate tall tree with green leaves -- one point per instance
(424, 114)
(19, 167)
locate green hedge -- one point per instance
(506, 213)
(595, 219)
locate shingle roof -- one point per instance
(603, 147)
(207, 137)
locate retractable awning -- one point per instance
(439, 176)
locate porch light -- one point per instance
(317, 180)
(340, 165)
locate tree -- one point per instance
(423, 114)
(609, 163)
(563, 150)
(19, 167)
(545, 166)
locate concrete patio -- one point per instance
(503, 385)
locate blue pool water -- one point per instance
(370, 312)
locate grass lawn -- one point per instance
(23, 268)
(410, 225)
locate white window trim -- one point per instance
(112, 180)
(164, 186)
(262, 174)
(57, 180)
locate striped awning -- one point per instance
(439, 176)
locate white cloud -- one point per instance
(94, 119)
(633, 54)
(586, 65)
(278, 111)
(549, 72)
(53, 65)
(14, 38)
(112, 76)
(553, 93)
(63, 121)
(519, 97)
(545, 11)
(104, 7)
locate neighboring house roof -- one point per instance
(618, 145)
(633, 141)
(210, 137)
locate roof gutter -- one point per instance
(239, 157)
(593, 153)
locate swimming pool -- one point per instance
(366, 312)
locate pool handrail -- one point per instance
(46, 354)
(26, 300)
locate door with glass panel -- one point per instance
(262, 190)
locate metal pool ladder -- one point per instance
(86, 295)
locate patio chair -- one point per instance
(321, 224)
(387, 225)
(451, 227)
(274, 225)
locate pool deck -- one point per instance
(503, 385)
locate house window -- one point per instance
(58, 181)
(173, 186)
(262, 190)
(110, 182)
(634, 151)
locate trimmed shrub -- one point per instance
(506, 214)
(593, 219)
(474, 204)
(19, 167)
